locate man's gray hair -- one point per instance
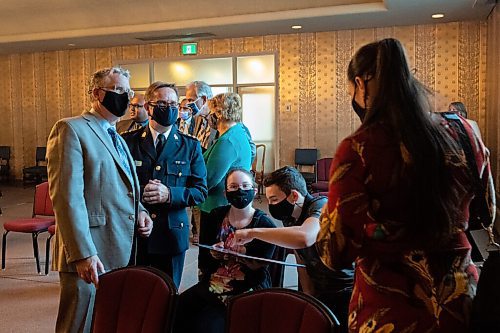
(201, 88)
(96, 79)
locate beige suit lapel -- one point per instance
(104, 137)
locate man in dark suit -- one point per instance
(172, 175)
(138, 116)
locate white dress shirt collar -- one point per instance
(155, 133)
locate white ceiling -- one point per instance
(34, 25)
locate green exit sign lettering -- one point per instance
(189, 48)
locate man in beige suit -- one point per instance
(95, 193)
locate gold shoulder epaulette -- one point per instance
(131, 131)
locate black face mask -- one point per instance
(281, 210)
(361, 112)
(240, 198)
(115, 103)
(165, 115)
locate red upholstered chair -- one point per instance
(323, 175)
(134, 299)
(52, 231)
(41, 219)
(279, 310)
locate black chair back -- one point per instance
(4, 163)
(5, 153)
(306, 156)
(40, 155)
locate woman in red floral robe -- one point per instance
(398, 205)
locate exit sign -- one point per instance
(189, 48)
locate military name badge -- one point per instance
(138, 163)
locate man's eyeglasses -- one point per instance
(136, 106)
(164, 104)
(235, 187)
(119, 91)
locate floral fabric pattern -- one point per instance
(230, 269)
(397, 288)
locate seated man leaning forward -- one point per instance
(299, 211)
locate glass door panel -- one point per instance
(259, 116)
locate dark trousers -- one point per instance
(204, 219)
(339, 304)
(170, 264)
(199, 311)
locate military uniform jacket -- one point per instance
(128, 125)
(180, 166)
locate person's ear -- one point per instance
(149, 109)
(95, 93)
(359, 84)
(295, 196)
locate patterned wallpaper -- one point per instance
(492, 86)
(37, 89)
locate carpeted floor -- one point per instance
(28, 301)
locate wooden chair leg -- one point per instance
(34, 236)
(47, 254)
(4, 246)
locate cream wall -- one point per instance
(37, 89)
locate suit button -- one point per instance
(182, 225)
(131, 217)
(180, 174)
(130, 194)
(158, 168)
(153, 216)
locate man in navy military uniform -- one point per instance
(138, 116)
(172, 175)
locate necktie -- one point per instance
(119, 149)
(182, 127)
(160, 143)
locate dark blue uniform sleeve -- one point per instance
(195, 191)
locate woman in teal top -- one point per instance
(231, 150)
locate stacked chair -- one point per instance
(37, 173)
(41, 219)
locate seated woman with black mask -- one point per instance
(202, 308)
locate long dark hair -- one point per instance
(401, 101)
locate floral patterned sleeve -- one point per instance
(346, 215)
